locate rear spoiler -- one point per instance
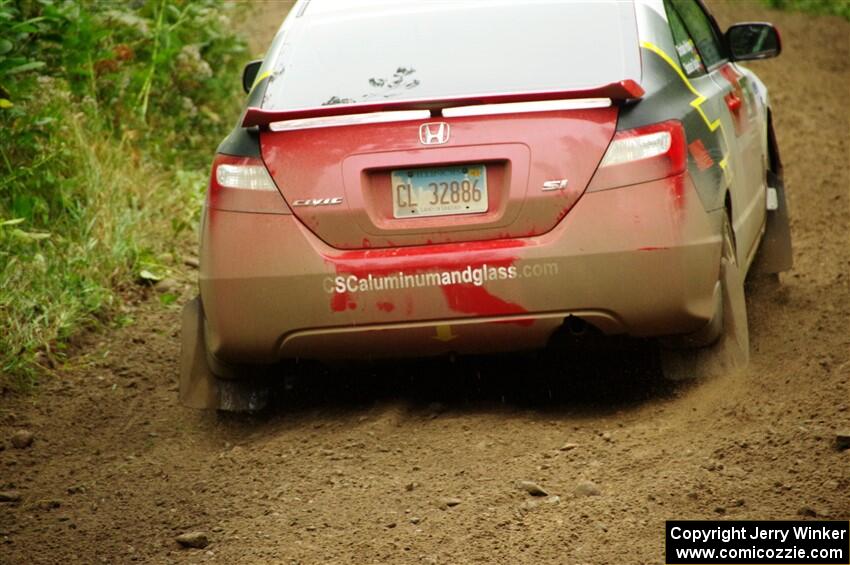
(620, 91)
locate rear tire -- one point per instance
(242, 396)
(731, 350)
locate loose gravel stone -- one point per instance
(167, 285)
(22, 439)
(49, 504)
(587, 488)
(197, 540)
(532, 488)
(10, 496)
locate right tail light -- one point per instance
(642, 154)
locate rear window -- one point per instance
(351, 52)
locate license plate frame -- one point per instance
(439, 191)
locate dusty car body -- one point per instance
(390, 194)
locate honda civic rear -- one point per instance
(421, 178)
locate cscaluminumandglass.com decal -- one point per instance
(477, 276)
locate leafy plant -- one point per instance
(108, 112)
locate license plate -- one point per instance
(439, 191)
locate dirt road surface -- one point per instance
(357, 466)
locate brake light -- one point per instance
(641, 155)
(243, 184)
(248, 177)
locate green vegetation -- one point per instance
(829, 7)
(109, 112)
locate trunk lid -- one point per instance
(338, 180)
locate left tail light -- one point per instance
(642, 154)
(243, 184)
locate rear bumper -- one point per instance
(641, 260)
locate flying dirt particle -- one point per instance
(568, 446)
(449, 502)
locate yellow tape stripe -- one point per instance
(260, 78)
(696, 104)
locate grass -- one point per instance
(827, 7)
(123, 214)
(108, 117)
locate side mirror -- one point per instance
(750, 41)
(249, 74)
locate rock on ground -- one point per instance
(10, 496)
(532, 488)
(22, 439)
(587, 488)
(197, 540)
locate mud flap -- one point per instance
(730, 351)
(775, 254)
(199, 387)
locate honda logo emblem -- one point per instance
(435, 133)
